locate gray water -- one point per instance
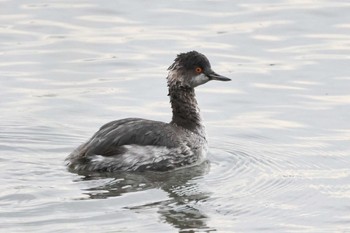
(279, 133)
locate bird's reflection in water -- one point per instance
(179, 210)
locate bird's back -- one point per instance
(137, 144)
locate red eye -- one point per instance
(199, 70)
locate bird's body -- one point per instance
(135, 144)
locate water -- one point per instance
(279, 132)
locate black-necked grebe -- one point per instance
(135, 144)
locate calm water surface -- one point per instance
(279, 133)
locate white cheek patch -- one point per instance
(199, 80)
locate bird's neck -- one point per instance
(185, 109)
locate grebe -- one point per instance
(135, 144)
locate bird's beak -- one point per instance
(214, 76)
